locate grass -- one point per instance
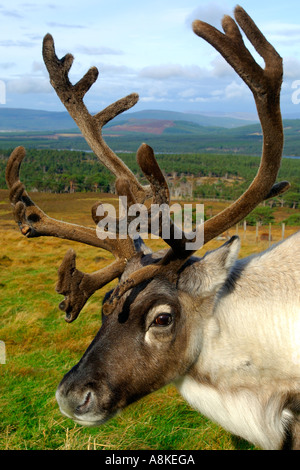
(41, 348)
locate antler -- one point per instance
(76, 286)
(91, 126)
(265, 85)
(33, 222)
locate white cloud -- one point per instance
(170, 71)
(54, 24)
(13, 43)
(28, 85)
(291, 68)
(11, 13)
(281, 31)
(220, 68)
(38, 66)
(116, 70)
(7, 65)
(98, 50)
(189, 93)
(154, 99)
(211, 13)
(235, 90)
(217, 93)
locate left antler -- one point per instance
(91, 126)
(33, 222)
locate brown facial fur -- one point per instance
(132, 368)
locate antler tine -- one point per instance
(161, 195)
(72, 98)
(150, 168)
(257, 39)
(77, 286)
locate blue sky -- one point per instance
(146, 47)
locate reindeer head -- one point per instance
(152, 321)
(152, 337)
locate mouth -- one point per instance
(87, 411)
(88, 419)
(91, 423)
(85, 420)
(93, 420)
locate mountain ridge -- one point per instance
(127, 131)
(21, 119)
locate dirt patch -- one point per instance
(148, 126)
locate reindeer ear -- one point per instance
(206, 276)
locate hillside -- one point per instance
(205, 120)
(12, 119)
(165, 131)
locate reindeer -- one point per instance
(224, 330)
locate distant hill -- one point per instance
(200, 119)
(13, 119)
(165, 131)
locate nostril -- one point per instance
(85, 405)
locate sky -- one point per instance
(146, 47)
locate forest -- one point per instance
(200, 176)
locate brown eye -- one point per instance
(164, 319)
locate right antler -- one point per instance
(265, 85)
